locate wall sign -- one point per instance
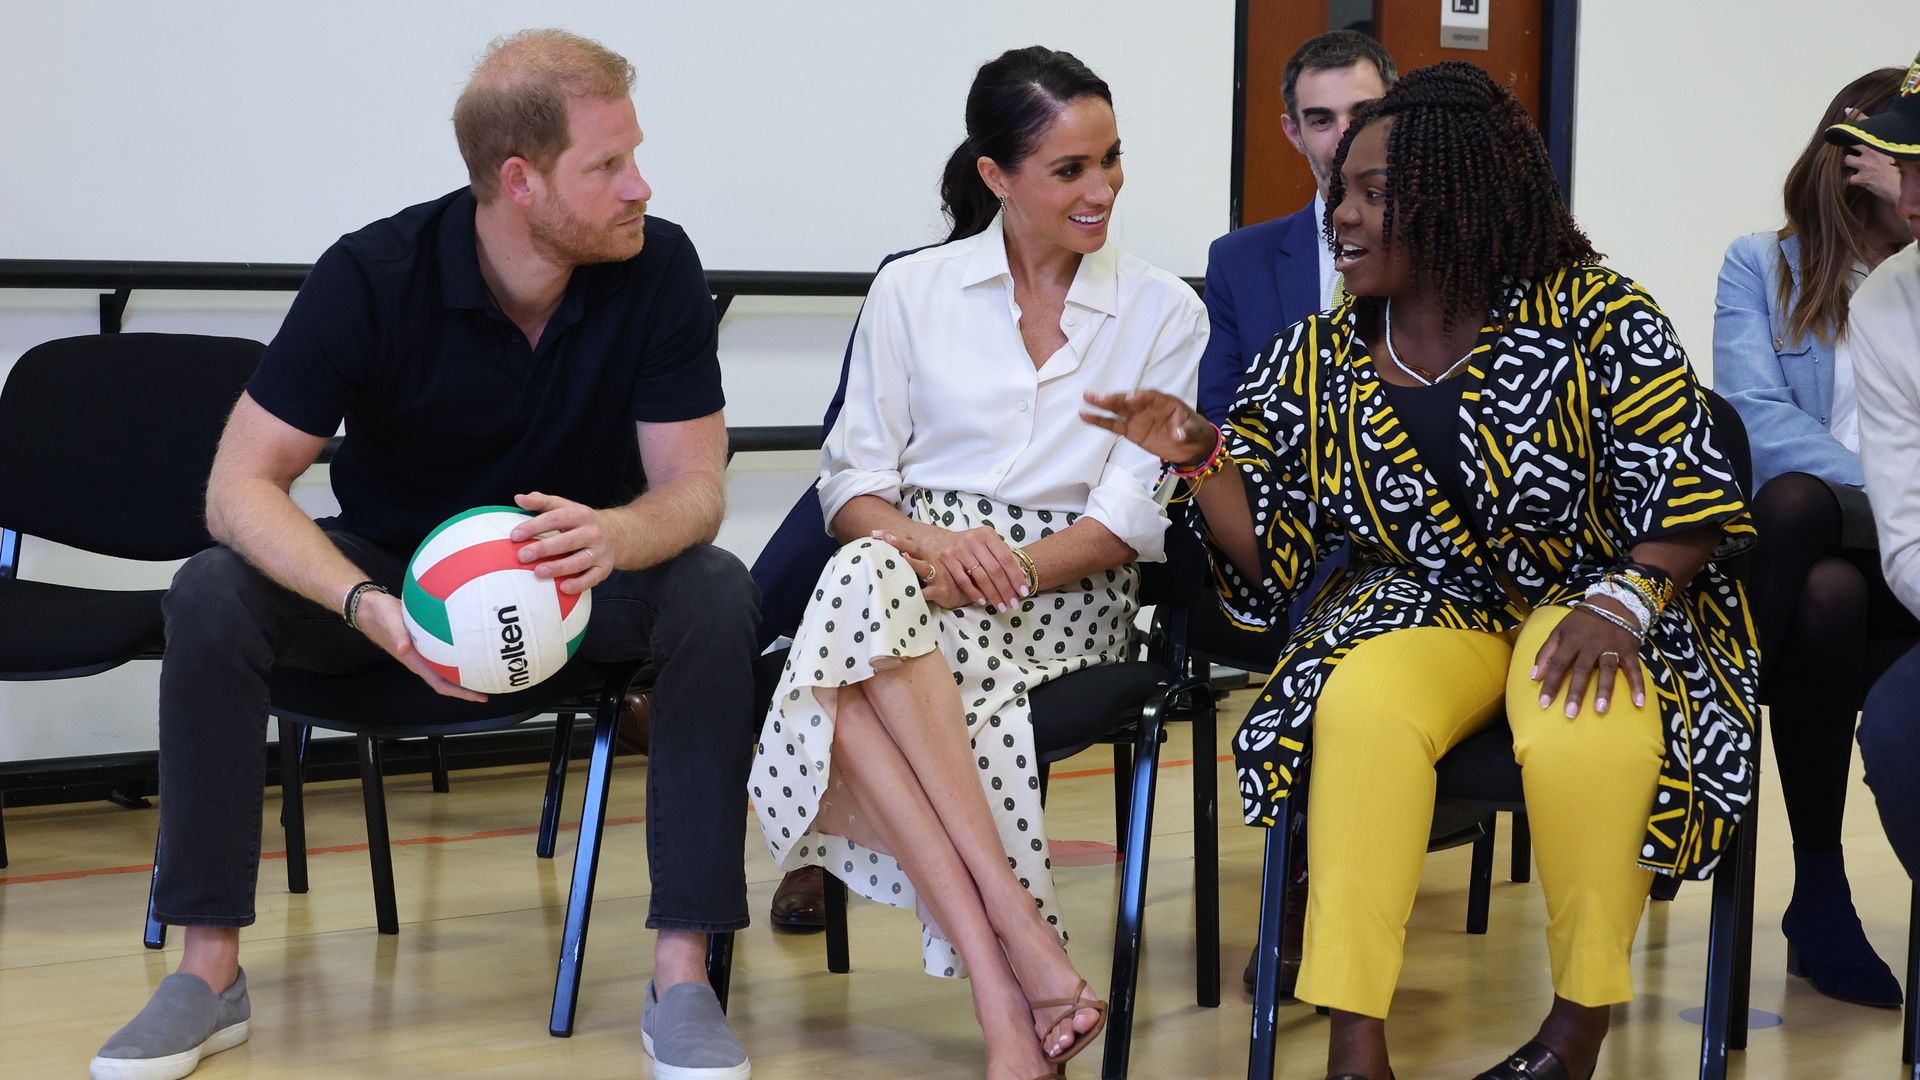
(1463, 24)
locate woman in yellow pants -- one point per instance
(1506, 436)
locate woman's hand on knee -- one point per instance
(977, 563)
(1585, 648)
(938, 587)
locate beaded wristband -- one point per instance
(1637, 605)
(1657, 581)
(1595, 609)
(1209, 465)
(1658, 591)
(1638, 587)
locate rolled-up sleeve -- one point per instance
(861, 454)
(1125, 500)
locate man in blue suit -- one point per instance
(1264, 278)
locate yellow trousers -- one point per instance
(1396, 704)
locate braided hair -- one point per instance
(1470, 190)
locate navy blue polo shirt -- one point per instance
(447, 407)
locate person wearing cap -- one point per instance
(1783, 358)
(1886, 333)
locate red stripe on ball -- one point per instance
(471, 562)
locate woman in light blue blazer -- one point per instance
(1781, 357)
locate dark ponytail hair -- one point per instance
(1015, 96)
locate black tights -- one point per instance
(1811, 600)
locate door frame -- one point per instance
(1559, 30)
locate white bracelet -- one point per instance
(1626, 598)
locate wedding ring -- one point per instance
(1610, 652)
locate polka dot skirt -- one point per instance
(867, 609)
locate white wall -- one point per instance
(784, 136)
(1688, 116)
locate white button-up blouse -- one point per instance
(942, 396)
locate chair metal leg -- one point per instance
(293, 812)
(437, 761)
(1740, 992)
(1206, 860)
(556, 794)
(156, 932)
(1266, 969)
(1480, 882)
(1521, 857)
(720, 964)
(1909, 1029)
(379, 846)
(1722, 932)
(1122, 792)
(835, 892)
(1129, 924)
(586, 864)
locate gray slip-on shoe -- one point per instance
(686, 1034)
(183, 1022)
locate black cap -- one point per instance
(1896, 131)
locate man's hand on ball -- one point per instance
(379, 618)
(577, 552)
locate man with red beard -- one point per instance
(533, 338)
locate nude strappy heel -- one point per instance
(1074, 1004)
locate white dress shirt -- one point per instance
(942, 396)
(1883, 322)
(1843, 418)
(1328, 275)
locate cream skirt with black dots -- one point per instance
(867, 613)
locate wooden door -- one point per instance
(1274, 179)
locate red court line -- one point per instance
(337, 849)
(1108, 771)
(486, 834)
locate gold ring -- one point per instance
(1610, 652)
(933, 571)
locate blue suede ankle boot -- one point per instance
(1825, 942)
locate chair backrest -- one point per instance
(1731, 432)
(106, 441)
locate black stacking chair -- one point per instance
(1481, 773)
(107, 442)
(1127, 705)
(1910, 1009)
(391, 702)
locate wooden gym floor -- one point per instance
(464, 989)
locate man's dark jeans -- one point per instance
(1890, 748)
(228, 625)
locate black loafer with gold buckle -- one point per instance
(1534, 1061)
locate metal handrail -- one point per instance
(116, 279)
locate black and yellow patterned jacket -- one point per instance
(1586, 433)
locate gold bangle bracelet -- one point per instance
(1033, 573)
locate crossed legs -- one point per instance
(902, 751)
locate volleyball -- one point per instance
(481, 617)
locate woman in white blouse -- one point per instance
(990, 544)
